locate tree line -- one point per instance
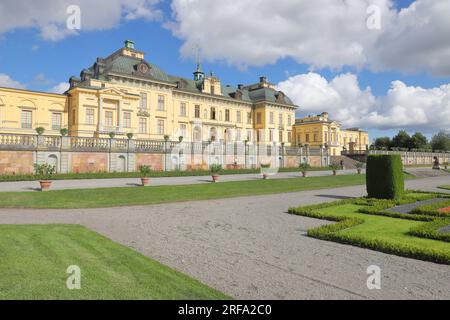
(403, 141)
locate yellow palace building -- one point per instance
(125, 94)
(320, 131)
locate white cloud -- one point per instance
(403, 107)
(320, 33)
(60, 88)
(50, 16)
(7, 82)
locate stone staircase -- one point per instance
(348, 162)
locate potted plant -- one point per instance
(335, 167)
(145, 173)
(64, 132)
(445, 164)
(359, 166)
(44, 173)
(304, 168)
(215, 170)
(130, 136)
(40, 131)
(112, 135)
(265, 166)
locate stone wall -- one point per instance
(16, 162)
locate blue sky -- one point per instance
(40, 64)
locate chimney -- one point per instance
(263, 79)
(240, 86)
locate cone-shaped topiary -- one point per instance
(385, 178)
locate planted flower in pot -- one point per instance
(145, 173)
(215, 170)
(445, 164)
(304, 168)
(44, 173)
(335, 168)
(359, 166)
(264, 167)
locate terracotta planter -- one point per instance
(145, 181)
(334, 173)
(359, 171)
(215, 178)
(45, 185)
(304, 174)
(265, 176)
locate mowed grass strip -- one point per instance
(34, 260)
(115, 197)
(445, 187)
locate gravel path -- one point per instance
(251, 248)
(407, 208)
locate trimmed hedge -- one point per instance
(385, 179)
(433, 209)
(431, 230)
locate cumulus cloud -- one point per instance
(60, 88)
(50, 16)
(321, 33)
(7, 82)
(403, 107)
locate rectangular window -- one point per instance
(161, 103)
(143, 102)
(280, 136)
(315, 137)
(183, 110)
(197, 112)
(259, 118)
(307, 137)
(249, 118)
(127, 120)
(289, 137)
(109, 118)
(238, 117)
(213, 113)
(271, 135)
(90, 117)
(160, 127)
(143, 125)
(249, 135)
(271, 118)
(238, 135)
(183, 130)
(289, 120)
(27, 119)
(227, 115)
(56, 121)
(213, 90)
(280, 120)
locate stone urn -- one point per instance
(145, 181)
(215, 178)
(45, 185)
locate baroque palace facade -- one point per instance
(125, 94)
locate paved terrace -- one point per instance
(251, 248)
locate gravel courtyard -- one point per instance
(251, 248)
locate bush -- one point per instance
(385, 178)
(44, 171)
(431, 230)
(145, 171)
(215, 169)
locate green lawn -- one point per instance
(114, 197)
(34, 260)
(381, 233)
(445, 187)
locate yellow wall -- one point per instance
(41, 106)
